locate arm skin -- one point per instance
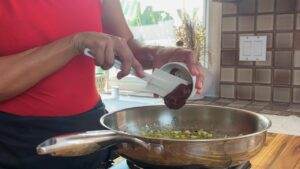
(19, 72)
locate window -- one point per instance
(156, 22)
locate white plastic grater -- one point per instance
(159, 82)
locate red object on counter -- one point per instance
(31, 23)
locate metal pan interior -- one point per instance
(222, 122)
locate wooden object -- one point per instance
(281, 152)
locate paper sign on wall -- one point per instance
(253, 48)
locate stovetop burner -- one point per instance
(135, 165)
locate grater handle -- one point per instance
(118, 65)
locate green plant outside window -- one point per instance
(136, 17)
(99, 71)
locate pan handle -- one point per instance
(85, 143)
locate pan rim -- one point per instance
(193, 140)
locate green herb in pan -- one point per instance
(178, 134)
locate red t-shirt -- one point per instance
(25, 24)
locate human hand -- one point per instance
(163, 55)
(105, 48)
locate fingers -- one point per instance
(193, 68)
(191, 62)
(99, 53)
(109, 56)
(97, 44)
(127, 58)
(187, 56)
(105, 47)
(199, 79)
(138, 68)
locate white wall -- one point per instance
(214, 44)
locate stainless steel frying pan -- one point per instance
(240, 135)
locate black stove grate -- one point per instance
(136, 165)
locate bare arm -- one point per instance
(21, 71)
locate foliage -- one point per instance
(192, 34)
(136, 17)
(99, 71)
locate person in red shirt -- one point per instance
(47, 85)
